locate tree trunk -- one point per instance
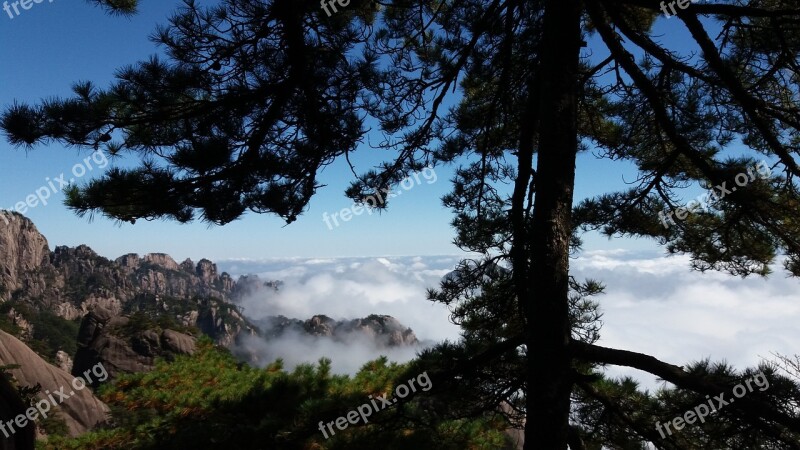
(549, 380)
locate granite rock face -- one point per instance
(158, 273)
(250, 285)
(382, 328)
(24, 252)
(64, 361)
(81, 411)
(160, 259)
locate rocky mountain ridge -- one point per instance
(38, 287)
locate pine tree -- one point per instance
(254, 97)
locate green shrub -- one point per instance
(51, 333)
(210, 401)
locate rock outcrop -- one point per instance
(64, 361)
(81, 411)
(67, 277)
(384, 330)
(249, 285)
(24, 252)
(126, 345)
(158, 273)
(160, 259)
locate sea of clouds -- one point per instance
(657, 305)
(346, 288)
(653, 304)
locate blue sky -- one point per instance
(47, 48)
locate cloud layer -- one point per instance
(657, 305)
(348, 288)
(653, 304)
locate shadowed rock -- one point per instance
(122, 347)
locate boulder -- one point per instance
(110, 341)
(81, 411)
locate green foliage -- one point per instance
(619, 414)
(151, 311)
(121, 7)
(26, 393)
(51, 333)
(53, 425)
(8, 326)
(140, 321)
(78, 287)
(209, 127)
(209, 400)
(54, 333)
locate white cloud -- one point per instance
(653, 304)
(295, 348)
(658, 306)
